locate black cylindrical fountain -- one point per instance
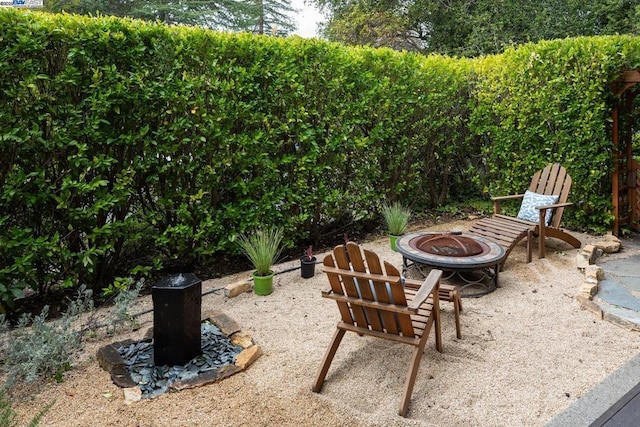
(177, 302)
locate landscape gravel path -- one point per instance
(528, 352)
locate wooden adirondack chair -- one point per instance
(508, 231)
(372, 301)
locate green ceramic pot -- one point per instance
(393, 239)
(263, 285)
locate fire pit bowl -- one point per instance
(474, 259)
(449, 245)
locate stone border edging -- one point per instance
(594, 274)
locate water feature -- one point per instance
(153, 380)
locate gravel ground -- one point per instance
(528, 352)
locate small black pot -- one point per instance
(307, 267)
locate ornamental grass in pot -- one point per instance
(262, 247)
(396, 217)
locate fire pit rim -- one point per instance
(495, 254)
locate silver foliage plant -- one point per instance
(37, 348)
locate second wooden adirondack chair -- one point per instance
(540, 214)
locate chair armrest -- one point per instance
(558, 205)
(498, 200)
(430, 286)
(542, 214)
(512, 196)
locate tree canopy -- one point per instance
(473, 27)
(258, 16)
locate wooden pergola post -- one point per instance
(624, 179)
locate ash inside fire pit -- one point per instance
(448, 245)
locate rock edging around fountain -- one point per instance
(111, 361)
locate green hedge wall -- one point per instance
(552, 101)
(134, 144)
(127, 146)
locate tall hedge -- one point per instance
(552, 101)
(127, 146)
(134, 144)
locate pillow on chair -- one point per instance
(528, 210)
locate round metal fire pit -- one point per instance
(474, 259)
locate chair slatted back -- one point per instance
(385, 287)
(553, 180)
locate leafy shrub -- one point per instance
(134, 145)
(38, 348)
(128, 146)
(122, 303)
(551, 102)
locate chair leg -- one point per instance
(542, 248)
(457, 308)
(438, 327)
(562, 235)
(411, 378)
(326, 361)
(529, 245)
(451, 294)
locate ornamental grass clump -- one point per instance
(396, 217)
(262, 247)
